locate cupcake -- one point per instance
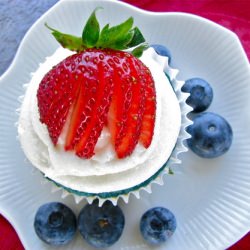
(101, 122)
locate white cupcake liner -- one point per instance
(157, 178)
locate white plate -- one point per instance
(211, 198)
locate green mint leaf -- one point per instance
(137, 38)
(111, 35)
(137, 52)
(91, 31)
(67, 41)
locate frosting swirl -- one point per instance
(103, 172)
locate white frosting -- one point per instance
(103, 172)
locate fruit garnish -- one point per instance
(99, 86)
(101, 226)
(201, 94)
(148, 119)
(55, 223)
(162, 51)
(157, 225)
(211, 135)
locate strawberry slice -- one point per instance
(54, 88)
(75, 119)
(148, 120)
(121, 100)
(99, 111)
(135, 111)
(82, 108)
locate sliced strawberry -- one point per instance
(135, 111)
(75, 119)
(82, 109)
(115, 112)
(99, 111)
(148, 120)
(55, 87)
(98, 87)
(121, 100)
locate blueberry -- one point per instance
(211, 135)
(101, 226)
(55, 223)
(201, 94)
(157, 225)
(162, 51)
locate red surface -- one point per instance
(8, 237)
(234, 14)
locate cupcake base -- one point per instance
(154, 174)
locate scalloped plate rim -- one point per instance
(12, 66)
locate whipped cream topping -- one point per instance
(104, 172)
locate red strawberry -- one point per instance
(97, 87)
(88, 95)
(121, 100)
(58, 84)
(148, 120)
(99, 111)
(84, 104)
(135, 111)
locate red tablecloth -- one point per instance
(233, 14)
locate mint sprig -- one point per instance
(120, 37)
